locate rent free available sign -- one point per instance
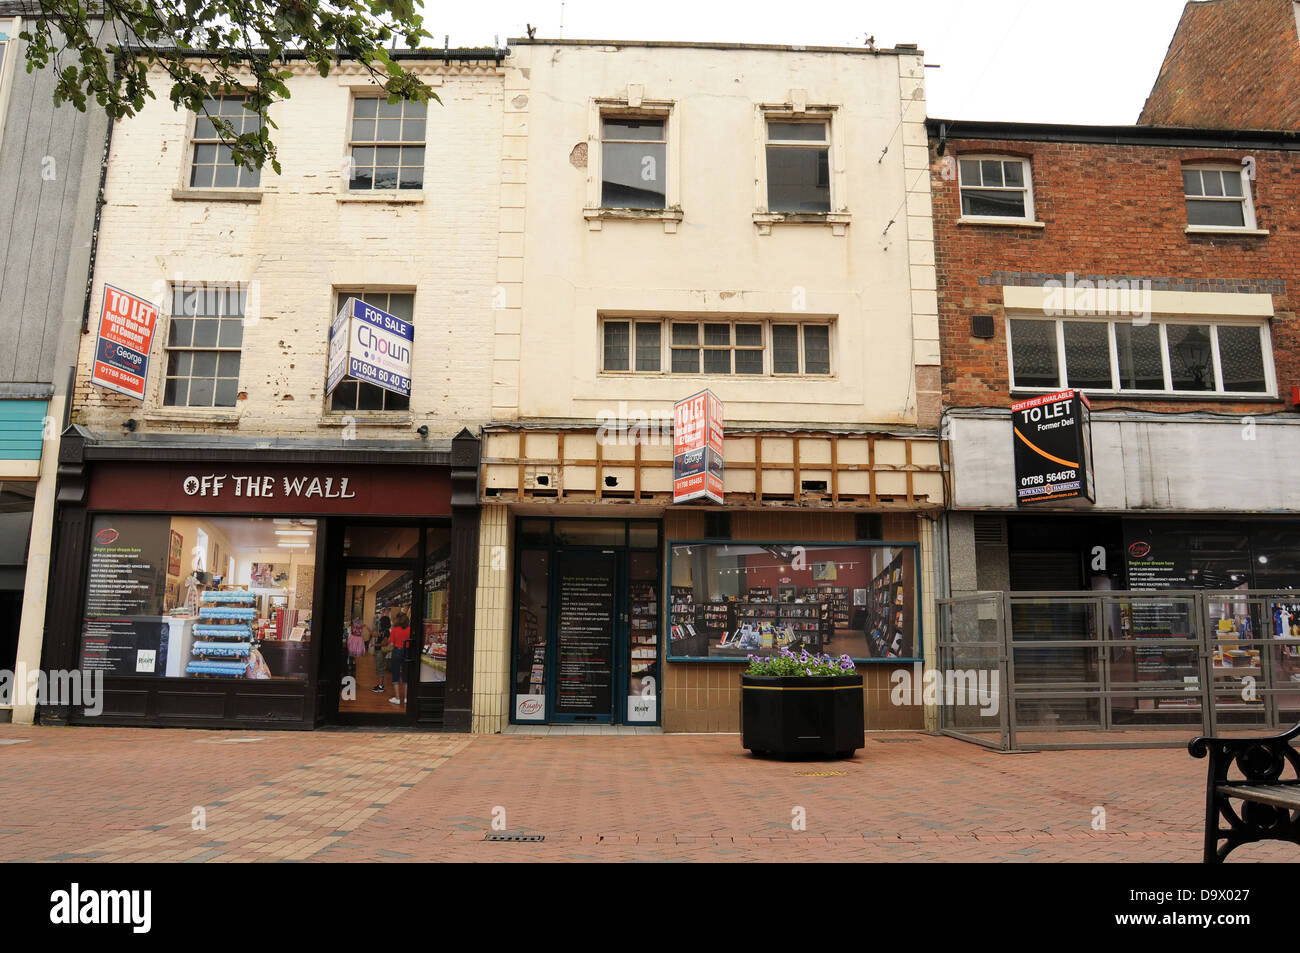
(1053, 448)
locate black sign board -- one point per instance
(585, 680)
(1053, 448)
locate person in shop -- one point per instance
(379, 645)
(399, 636)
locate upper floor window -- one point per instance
(1217, 197)
(212, 166)
(633, 162)
(798, 165)
(995, 188)
(205, 336)
(387, 144)
(730, 347)
(1174, 357)
(351, 394)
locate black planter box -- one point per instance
(791, 714)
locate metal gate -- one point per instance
(1044, 670)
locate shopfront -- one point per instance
(223, 589)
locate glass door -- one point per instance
(584, 621)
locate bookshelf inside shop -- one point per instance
(887, 622)
(644, 638)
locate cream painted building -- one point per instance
(754, 221)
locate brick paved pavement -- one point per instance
(130, 794)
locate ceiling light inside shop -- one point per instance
(293, 532)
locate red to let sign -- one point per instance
(126, 328)
(697, 448)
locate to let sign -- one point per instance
(697, 449)
(126, 328)
(370, 345)
(1053, 448)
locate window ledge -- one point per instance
(838, 221)
(190, 415)
(217, 195)
(367, 418)
(1003, 222)
(1206, 397)
(1211, 230)
(409, 197)
(669, 216)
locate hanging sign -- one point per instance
(698, 470)
(1053, 448)
(126, 327)
(372, 346)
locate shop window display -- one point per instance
(731, 600)
(198, 597)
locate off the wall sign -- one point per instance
(1053, 448)
(214, 484)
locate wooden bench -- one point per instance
(1270, 798)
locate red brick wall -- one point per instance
(1112, 211)
(1232, 64)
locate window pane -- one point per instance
(648, 350)
(201, 177)
(1013, 174)
(1138, 348)
(413, 130)
(225, 177)
(205, 155)
(1087, 355)
(1226, 213)
(1190, 357)
(1033, 354)
(227, 393)
(385, 178)
(1004, 204)
(176, 392)
(717, 334)
(389, 110)
(411, 177)
(1213, 182)
(414, 110)
(686, 334)
(201, 392)
(817, 349)
(180, 332)
(364, 107)
(1232, 184)
(178, 363)
(749, 362)
(616, 345)
(1192, 182)
(205, 364)
(632, 175)
(642, 129)
(798, 180)
(369, 397)
(1241, 358)
(785, 349)
(228, 364)
(344, 396)
(249, 178)
(388, 130)
(205, 332)
(991, 169)
(717, 362)
(797, 131)
(686, 361)
(970, 171)
(749, 335)
(231, 334)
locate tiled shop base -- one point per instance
(132, 794)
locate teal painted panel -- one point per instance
(22, 428)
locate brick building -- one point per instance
(1232, 64)
(1153, 270)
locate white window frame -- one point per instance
(226, 288)
(1163, 322)
(351, 144)
(1246, 200)
(1026, 167)
(191, 145)
(766, 322)
(839, 215)
(633, 107)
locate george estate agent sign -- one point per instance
(1053, 448)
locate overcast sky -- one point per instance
(1010, 60)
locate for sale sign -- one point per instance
(698, 470)
(126, 328)
(370, 345)
(1053, 448)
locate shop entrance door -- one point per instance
(585, 622)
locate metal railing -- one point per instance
(1104, 669)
